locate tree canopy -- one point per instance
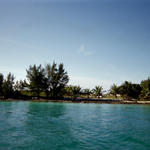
(56, 78)
(129, 90)
(36, 76)
(8, 86)
(97, 91)
(51, 82)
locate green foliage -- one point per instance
(36, 76)
(114, 90)
(129, 90)
(19, 88)
(1, 83)
(51, 79)
(145, 93)
(97, 91)
(86, 92)
(51, 82)
(56, 80)
(8, 84)
(73, 91)
(20, 85)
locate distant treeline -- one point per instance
(50, 82)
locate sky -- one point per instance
(100, 42)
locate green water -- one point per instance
(65, 126)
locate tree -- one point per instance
(19, 85)
(19, 88)
(36, 78)
(56, 79)
(73, 91)
(114, 90)
(76, 90)
(145, 93)
(97, 91)
(1, 83)
(87, 92)
(136, 91)
(8, 86)
(130, 91)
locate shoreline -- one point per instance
(97, 101)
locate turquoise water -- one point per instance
(65, 126)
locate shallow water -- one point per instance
(70, 126)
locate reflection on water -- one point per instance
(45, 110)
(44, 126)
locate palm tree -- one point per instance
(114, 90)
(97, 91)
(73, 91)
(87, 92)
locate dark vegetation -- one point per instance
(50, 82)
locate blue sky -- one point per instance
(100, 42)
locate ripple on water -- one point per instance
(44, 126)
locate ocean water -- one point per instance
(70, 126)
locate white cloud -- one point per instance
(82, 50)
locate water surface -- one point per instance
(69, 126)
